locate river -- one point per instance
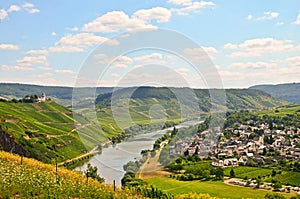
(110, 162)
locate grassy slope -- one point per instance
(213, 188)
(34, 179)
(144, 98)
(288, 92)
(45, 130)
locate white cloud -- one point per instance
(30, 8)
(200, 54)
(259, 46)
(32, 11)
(14, 8)
(37, 52)
(15, 68)
(249, 17)
(9, 47)
(28, 5)
(180, 2)
(118, 20)
(186, 6)
(279, 23)
(79, 42)
(157, 13)
(148, 58)
(53, 34)
(268, 16)
(230, 46)
(122, 62)
(294, 61)
(182, 71)
(252, 65)
(296, 22)
(30, 60)
(68, 72)
(3, 14)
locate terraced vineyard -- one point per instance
(45, 131)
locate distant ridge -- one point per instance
(289, 92)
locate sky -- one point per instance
(248, 42)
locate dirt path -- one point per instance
(91, 152)
(152, 168)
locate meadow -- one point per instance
(213, 188)
(33, 179)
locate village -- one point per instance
(247, 144)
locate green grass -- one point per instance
(250, 172)
(33, 179)
(213, 188)
(281, 111)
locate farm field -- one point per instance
(250, 172)
(213, 188)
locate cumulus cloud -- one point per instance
(252, 65)
(32, 60)
(266, 16)
(37, 52)
(14, 8)
(184, 7)
(53, 34)
(68, 72)
(79, 42)
(200, 54)
(118, 20)
(30, 8)
(3, 14)
(249, 17)
(296, 22)
(15, 68)
(9, 47)
(259, 46)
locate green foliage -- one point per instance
(288, 92)
(274, 196)
(232, 174)
(91, 172)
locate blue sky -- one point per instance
(250, 42)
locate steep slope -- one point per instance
(34, 179)
(44, 131)
(143, 99)
(61, 94)
(288, 92)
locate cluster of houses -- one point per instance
(245, 143)
(268, 186)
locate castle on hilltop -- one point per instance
(42, 98)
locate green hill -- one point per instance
(44, 131)
(61, 94)
(288, 92)
(143, 98)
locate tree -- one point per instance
(274, 196)
(91, 172)
(206, 174)
(277, 185)
(273, 173)
(219, 173)
(232, 174)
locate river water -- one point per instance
(110, 162)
